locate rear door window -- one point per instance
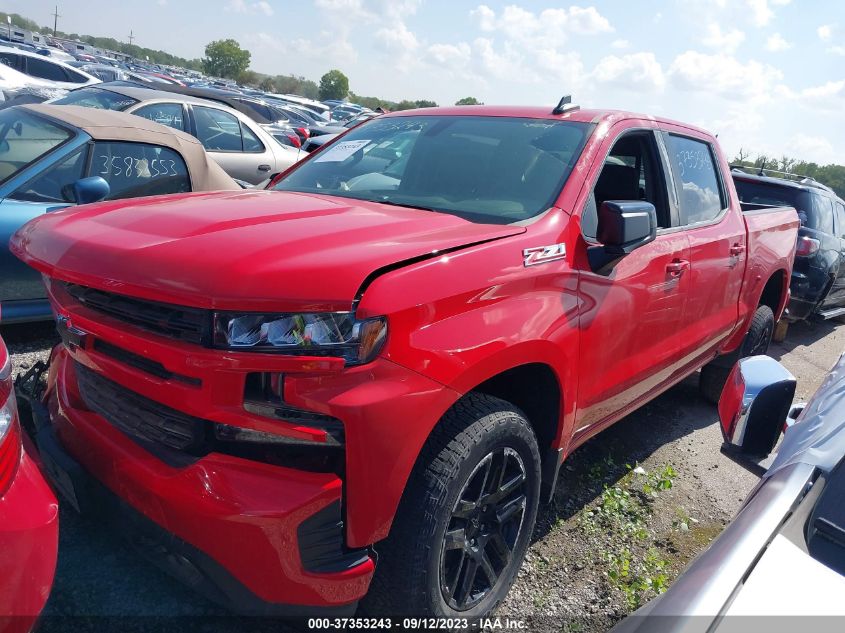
(251, 142)
(139, 169)
(840, 219)
(700, 190)
(217, 130)
(169, 114)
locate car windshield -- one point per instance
(24, 138)
(485, 169)
(814, 210)
(96, 98)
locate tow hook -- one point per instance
(29, 390)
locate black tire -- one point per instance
(756, 341)
(759, 335)
(712, 381)
(415, 565)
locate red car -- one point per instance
(359, 386)
(29, 520)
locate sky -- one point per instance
(767, 76)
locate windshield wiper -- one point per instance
(393, 203)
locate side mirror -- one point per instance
(755, 403)
(623, 226)
(92, 189)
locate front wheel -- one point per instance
(466, 518)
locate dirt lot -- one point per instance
(634, 505)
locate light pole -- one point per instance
(9, 20)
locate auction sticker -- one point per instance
(339, 152)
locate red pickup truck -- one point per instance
(358, 386)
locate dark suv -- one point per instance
(818, 276)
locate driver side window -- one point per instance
(54, 184)
(631, 171)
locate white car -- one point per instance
(237, 143)
(14, 83)
(784, 553)
(45, 68)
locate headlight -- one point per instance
(305, 334)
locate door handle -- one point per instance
(737, 250)
(677, 267)
(264, 168)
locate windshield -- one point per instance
(815, 210)
(24, 138)
(96, 98)
(486, 169)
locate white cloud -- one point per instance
(637, 71)
(776, 43)
(508, 64)
(587, 21)
(620, 44)
(815, 148)
(322, 46)
(837, 50)
(547, 29)
(727, 41)
(449, 56)
(399, 43)
(529, 47)
(761, 12)
(825, 32)
(247, 8)
(724, 75)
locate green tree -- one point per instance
(468, 101)
(334, 85)
(425, 103)
(225, 58)
(248, 78)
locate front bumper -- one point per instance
(229, 527)
(29, 532)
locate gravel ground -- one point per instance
(565, 583)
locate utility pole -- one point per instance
(56, 17)
(131, 37)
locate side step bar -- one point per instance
(829, 314)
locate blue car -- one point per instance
(53, 157)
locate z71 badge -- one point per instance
(543, 254)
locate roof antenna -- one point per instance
(565, 105)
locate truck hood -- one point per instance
(247, 250)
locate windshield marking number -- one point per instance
(543, 254)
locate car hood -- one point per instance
(246, 250)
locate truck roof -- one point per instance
(541, 112)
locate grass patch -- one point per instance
(623, 513)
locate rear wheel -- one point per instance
(756, 341)
(466, 518)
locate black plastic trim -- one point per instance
(321, 543)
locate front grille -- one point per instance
(192, 325)
(144, 364)
(138, 416)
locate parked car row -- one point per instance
(452, 261)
